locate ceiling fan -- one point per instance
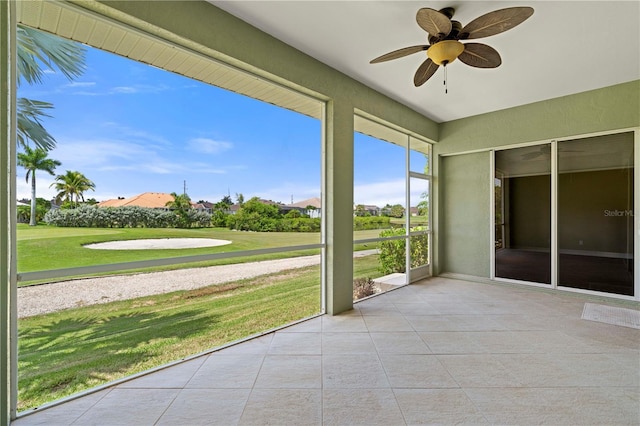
(445, 35)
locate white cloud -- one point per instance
(80, 84)
(43, 180)
(385, 192)
(124, 89)
(83, 154)
(380, 193)
(137, 88)
(85, 93)
(122, 159)
(132, 134)
(208, 146)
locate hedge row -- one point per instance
(140, 217)
(123, 217)
(371, 222)
(256, 223)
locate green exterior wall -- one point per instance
(610, 108)
(462, 192)
(5, 242)
(8, 347)
(464, 210)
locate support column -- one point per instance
(338, 208)
(7, 209)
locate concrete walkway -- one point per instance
(45, 298)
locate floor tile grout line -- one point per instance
(167, 407)
(92, 405)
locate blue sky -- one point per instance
(133, 128)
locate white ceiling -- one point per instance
(564, 48)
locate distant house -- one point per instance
(153, 200)
(372, 210)
(205, 206)
(367, 210)
(311, 207)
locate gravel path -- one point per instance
(45, 298)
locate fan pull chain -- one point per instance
(446, 88)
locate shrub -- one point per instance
(392, 252)
(124, 217)
(371, 222)
(260, 217)
(363, 287)
(219, 218)
(24, 212)
(292, 214)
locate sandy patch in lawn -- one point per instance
(158, 243)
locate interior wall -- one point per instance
(464, 212)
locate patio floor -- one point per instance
(443, 351)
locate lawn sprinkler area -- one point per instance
(158, 243)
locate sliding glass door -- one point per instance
(595, 213)
(580, 235)
(523, 214)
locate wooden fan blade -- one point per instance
(424, 72)
(434, 22)
(480, 56)
(495, 22)
(399, 53)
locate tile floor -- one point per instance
(440, 352)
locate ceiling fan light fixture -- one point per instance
(445, 51)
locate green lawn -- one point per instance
(76, 349)
(45, 247)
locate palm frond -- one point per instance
(37, 47)
(30, 127)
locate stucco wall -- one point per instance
(610, 108)
(465, 211)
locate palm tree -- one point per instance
(181, 205)
(37, 48)
(72, 184)
(180, 202)
(32, 160)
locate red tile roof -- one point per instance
(147, 199)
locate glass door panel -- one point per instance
(419, 222)
(523, 214)
(595, 213)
